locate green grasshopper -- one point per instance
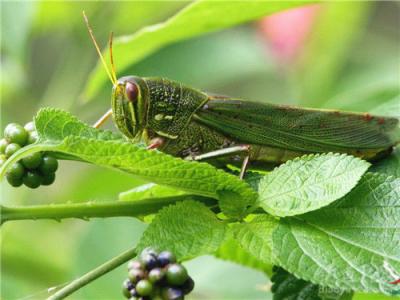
(192, 124)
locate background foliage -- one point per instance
(349, 61)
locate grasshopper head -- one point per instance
(129, 101)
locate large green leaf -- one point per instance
(63, 133)
(188, 229)
(389, 165)
(196, 19)
(309, 182)
(232, 251)
(287, 286)
(255, 237)
(350, 244)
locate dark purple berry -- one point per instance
(172, 293)
(188, 286)
(126, 287)
(165, 258)
(133, 292)
(149, 261)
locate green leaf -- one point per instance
(63, 133)
(255, 237)
(198, 18)
(288, 286)
(149, 190)
(231, 250)
(188, 229)
(352, 244)
(310, 182)
(389, 165)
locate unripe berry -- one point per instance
(48, 164)
(156, 275)
(32, 137)
(135, 275)
(30, 126)
(176, 274)
(32, 179)
(172, 293)
(135, 264)
(11, 149)
(3, 146)
(15, 133)
(48, 179)
(16, 171)
(144, 287)
(32, 161)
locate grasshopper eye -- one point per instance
(131, 91)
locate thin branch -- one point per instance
(89, 210)
(93, 275)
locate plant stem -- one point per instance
(93, 275)
(94, 209)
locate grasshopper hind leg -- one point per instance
(224, 152)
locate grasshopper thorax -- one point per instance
(129, 101)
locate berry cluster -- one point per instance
(33, 170)
(157, 275)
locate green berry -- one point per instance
(48, 179)
(150, 251)
(32, 179)
(11, 149)
(3, 146)
(136, 275)
(17, 170)
(156, 275)
(15, 182)
(32, 137)
(32, 161)
(30, 126)
(48, 164)
(176, 274)
(15, 133)
(144, 287)
(172, 293)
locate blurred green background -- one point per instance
(348, 58)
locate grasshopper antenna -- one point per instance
(113, 79)
(113, 71)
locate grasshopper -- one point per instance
(191, 124)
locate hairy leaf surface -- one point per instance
(196, 231)
(309, 182)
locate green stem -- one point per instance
(88, 210)
(93, 275)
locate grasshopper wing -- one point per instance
(299, 129)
